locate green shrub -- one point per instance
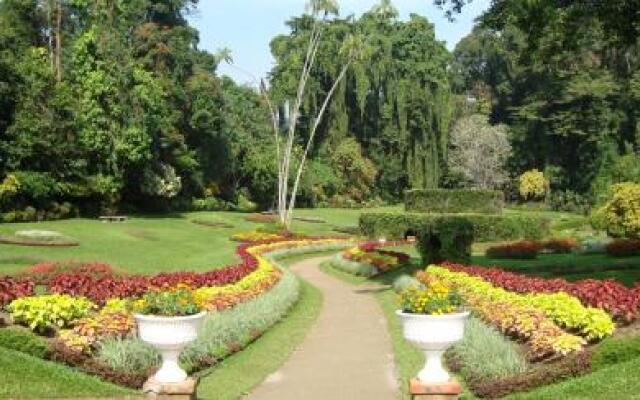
(24, 341)
(620, 216)
(351, 267)
(453, 201)
(614, 351)
(482, 343)
(403, 282)
(486, 228)
(210, 204)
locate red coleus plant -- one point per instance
(12, 288)
(524, 249)
(624, 247)
(101, 287)
(619, 301)
(43, 272)
(564, 245)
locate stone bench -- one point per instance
(113, 218)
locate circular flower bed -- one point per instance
(34, 237)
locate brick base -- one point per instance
(434, 391)
(155, 390)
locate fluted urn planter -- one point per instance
(433, 334)
(169, 335)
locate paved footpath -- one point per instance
(347, 355)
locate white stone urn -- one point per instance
(433, 334)
(169, 335)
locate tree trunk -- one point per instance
(58, 61)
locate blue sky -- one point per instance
(247, 26)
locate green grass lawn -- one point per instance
(24, 376)
(155, 243)
(615, 382)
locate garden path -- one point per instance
(348, 353)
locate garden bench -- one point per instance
(113, 218)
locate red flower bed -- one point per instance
(619, 301)
(565, 245)
(101, 288)
(42, 273)
(12, 288)
(525, 249)
(624, 248)
(95, 282)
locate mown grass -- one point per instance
(24, 376)
(616, 382)
(151, 244)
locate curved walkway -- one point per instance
(348, 353)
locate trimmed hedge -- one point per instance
(454, 201)
(486, 228)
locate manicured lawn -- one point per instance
(24, 376)
(238, 374)
(155, 243)
(615, 382)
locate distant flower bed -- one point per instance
(35, 237)
(261, 218)
(215, 223)
(43, 273)
(524, 249)
(367, 260)
(256, 236)
(529, 249)
(624, 248)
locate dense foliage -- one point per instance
(108, 107)
(453, 201)
(564, 77)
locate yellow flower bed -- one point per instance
(255, 236)
(509, 314)
(264, 277)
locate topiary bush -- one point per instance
(454, 201)
(486, 228)
(445, 238)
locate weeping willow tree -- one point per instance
(397, 104)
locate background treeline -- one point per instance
(110, 105)
(565, 77)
